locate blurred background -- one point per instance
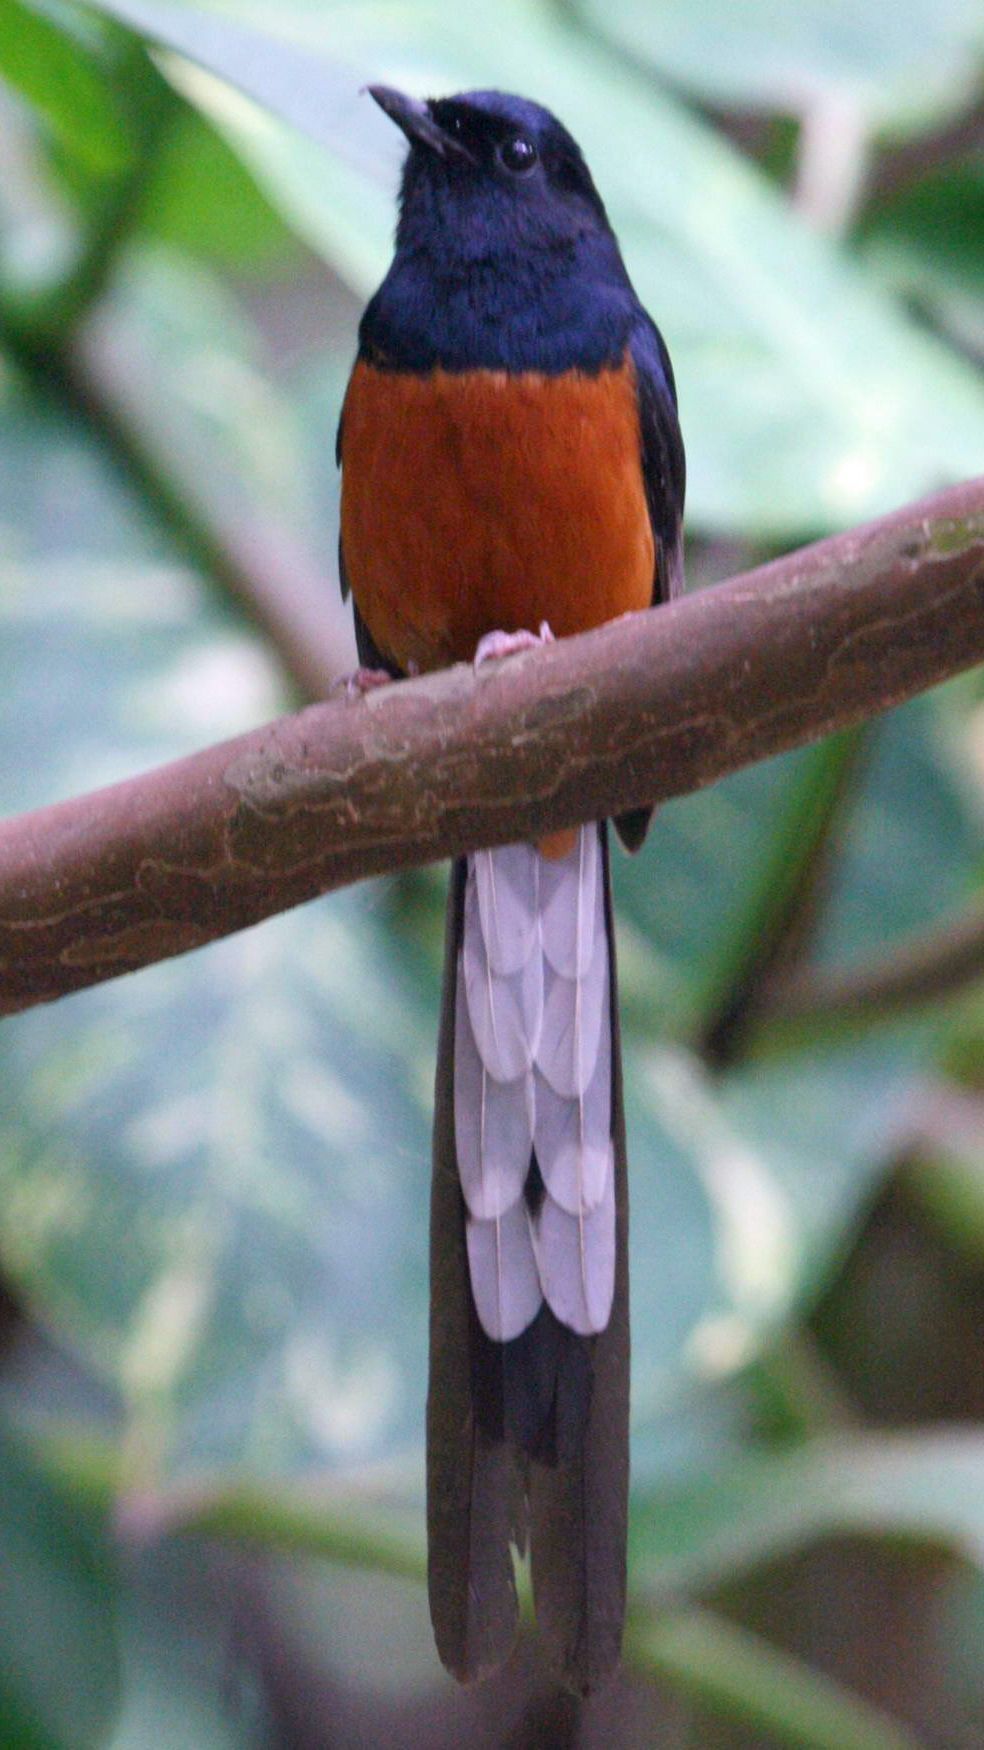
(214, 1174)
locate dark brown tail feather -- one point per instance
(546, 1415)
(579, 1506)
(475, 1486)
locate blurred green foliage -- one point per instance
(214, 1175)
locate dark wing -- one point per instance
(665, 474)
(663, 461)
(370, 656)
(342, 574)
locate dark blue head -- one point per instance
(504, 253)
(490, 174)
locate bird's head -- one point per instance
(489, 174)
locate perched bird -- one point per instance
(511, 459)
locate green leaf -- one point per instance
(363, 1531)
(221, 1168)
(808, 400)
(910, 849)
(902, 68)
(759, 1177)
(713, 869)
(197, 198)
(239, 446)
(926, 241)
(927, 1488)
(58, 1655)
(939, 216)
(947, 1178)
(685, 900)
(202, 200)
(727, 1670)
(961, 1636)
(66, 84)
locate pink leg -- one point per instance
(496, 645)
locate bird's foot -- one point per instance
(496, 645)
(361, 681)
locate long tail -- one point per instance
(527, 1422)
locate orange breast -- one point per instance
(476, 501)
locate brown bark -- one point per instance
(649, 707)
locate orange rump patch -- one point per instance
(557, 845)
(481, 500)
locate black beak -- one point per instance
(415, 120)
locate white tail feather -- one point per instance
(503, 1271)
(570, 1035)
(575, 1258)
(506, 883)
(533, 1069)
(493, 1123)
(505, 1009)
(568, 932)
(572, 1136)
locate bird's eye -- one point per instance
(518, 154)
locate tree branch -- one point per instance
(920, 969)
(648, 707)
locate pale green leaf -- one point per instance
(901, 67)
(926, 1487)
(726, 1670)
(808, 400)
(58, 1655)
(65, 83)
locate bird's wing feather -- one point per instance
(665, 479)
(663, 461)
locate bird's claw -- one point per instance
(362, 681)
(496, 645)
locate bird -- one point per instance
(512, 470)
